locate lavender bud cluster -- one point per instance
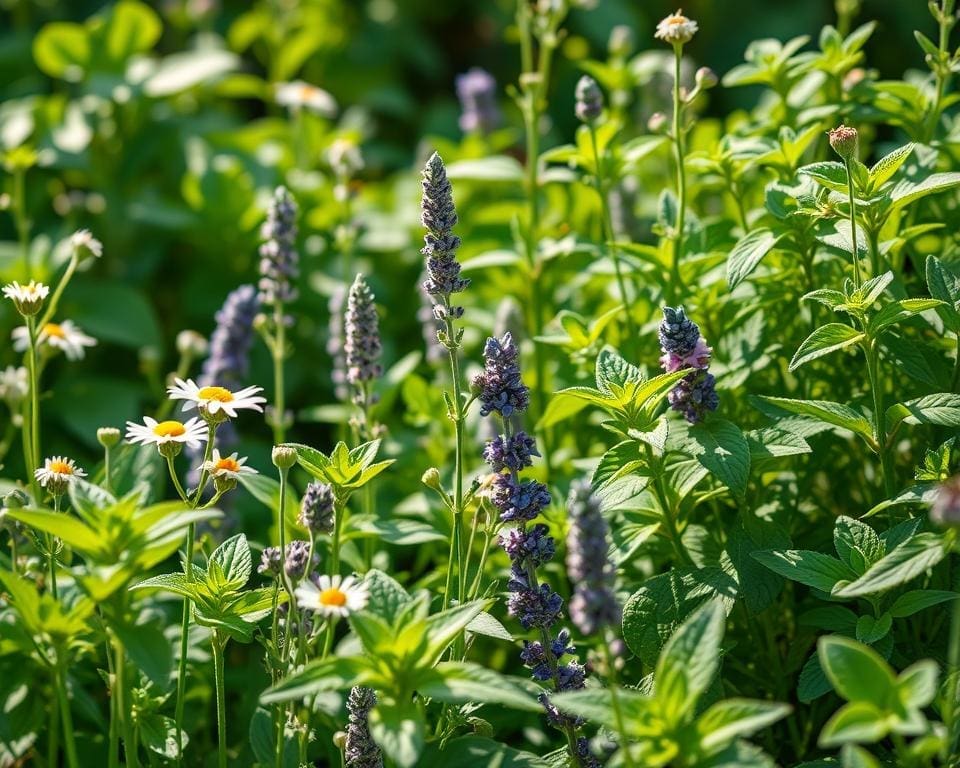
(684, 348)
(296, 561)
(594, 605)
(279, 262)
(316, 508)
(588, 105)
(534, 604)
(362, 345)
(477, 92)
(360, 750)
(439, 217)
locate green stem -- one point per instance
(458, 416)
(184, 643)
(58, 291)
(66, 718)
(669, 521)
(879, 419)
(678, 145)
(941, 73)
(176, 480)
(615, 702)
(610, 237)
(221, 700)
(950, 720)
(32, 438)
(279, 351)
(120, 693)
(857, 280)
(51, 553)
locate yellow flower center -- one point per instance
(333, 596)
(229, 464)
(220, 394)
(53, 329)
(61, 468)
(169, 429)
(307, 92)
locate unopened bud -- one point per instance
(657, 122)
(340, 740)
(108, 436)
(15, 499)
(706, 78)
(845, 141)
(431, 478)
(621, 41)
(170, 449)
(85, 245)
(589, 100)
(284, 456)
(191, 344)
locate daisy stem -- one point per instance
(106, 469)
(58, 291)
(66, 718)
(681, 173)
(174, 477)
(184, 644)
(51, 548)
(218, 646)
(120, 694)
(31, 437)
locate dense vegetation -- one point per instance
(610, 421)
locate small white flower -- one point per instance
(86, 244)
(191, 344)
(57, 473)
(191, 433)
(333, 597)
(65, 336)
(301, 95)
(14, 384)
(227, 467)
(28, 298)
(215, 400)
(676, 28)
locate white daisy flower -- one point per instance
(14, 384)
(227, 467)
(28, 298)
(333, 597)
(676, 28)
(301, 95)
(191, 433)
(57, 473)
(65, 336)
(86, 244)
(216, 400)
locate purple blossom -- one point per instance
(360, 750)
(519, 499)
(316, 508)
(477, 92)
(500, 386)
(296, 561)
(279, 262)
(439, 216)
(588, 105)
(594, 605)
(362, 345)
(534, 545)
(684, 348)
(513, 452)
(270, 561)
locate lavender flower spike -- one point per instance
(684, 348)
(439, 216)
(229, 356)
(316, 508)
(593, 606)
(500, 386)
(362, 339)
(477, 92)
(361, 751)
(279, 262)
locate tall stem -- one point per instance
(610, 237)
(950, 720)
(880, 419)
(458, 416)
(678, 144)
(853, 225)
(667, 513)
(66, 718)
(32, 436)
(58, 291)
(184, 644)
(615, 702)
(221, 700)
(120, 693)
(279, 351)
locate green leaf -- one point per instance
(903, 563)
(944, 284)
(132, 27)
(387, 596)
(148, 649)
(917, 684)
(736, 718)
(723, 450)
(477, 752)
(596, 705)
(177, 583)
(614, 372)
(70, 530)
(689, 661)
(831, 174)
(942, 409)
(918, 600)
(463, 682)
(485, 624)
(233, 556)
(888, 165)
(898, 311)
(858, 722)
(857, 544)
(444, 627)
(857, 672)
(826, 339)
(499, 168)
(399, 732)
(806, 567)
(905, 193)
(561, 407)
(747, 253)
(62, 49)
(336, 673)
(828, 412)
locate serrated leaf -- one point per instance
(747, 254)
(905, 562)
(806, 567)
(837, 414)
(724, 451)
(824, 340)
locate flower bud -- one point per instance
(191, 344)
(676, 29)
(283, 456)
(657, 122)
(845, 141)
(15, 499)
(431, 478)
(223, 483)
(621, 41)
(29, 298)
(170, 450)
(340, 740)
(85, 245)
(706, 78)
(108, 436)
(589, 100)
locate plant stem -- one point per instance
(458, 416)
(942, 74)
(32, 436)
(610, 237)
(615, 702)
(58, 291)
(51, 553)
(670, 523)
(879, 419)
(221, 700)
(678, 144)
(857, 280)
(950, 720)
(184, 644)
(66, 718)
(120, 693)
(278, 351)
